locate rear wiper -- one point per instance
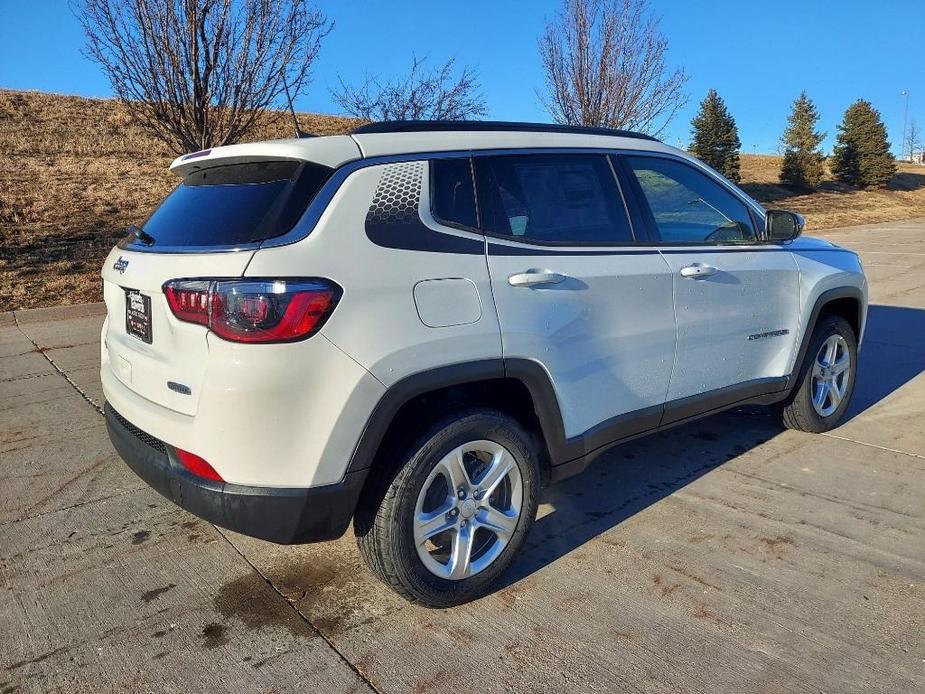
(141, 235)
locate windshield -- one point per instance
(234, 204)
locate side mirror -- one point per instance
(781, 225)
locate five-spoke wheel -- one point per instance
(831, 372)
(467, 509)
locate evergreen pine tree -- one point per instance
(803, 162)
(862, 153)
(715, 138)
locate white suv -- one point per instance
(418, 325)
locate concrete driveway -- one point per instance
(725, 555)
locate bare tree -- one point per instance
(606, 65)
(199, 73)
(914, 140)
(437, 94)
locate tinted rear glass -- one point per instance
(552, 198)
(235, 204)
(452, 192)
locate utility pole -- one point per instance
(902, 147)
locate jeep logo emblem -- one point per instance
(120, 265)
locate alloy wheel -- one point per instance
(831, 375)
(468, 509)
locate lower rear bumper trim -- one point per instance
(281, 515)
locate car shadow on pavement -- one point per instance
(635, 475)
(629, 478)
(893, 354)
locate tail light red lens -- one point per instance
(197, 465)
(254, 311)
(279, 311)
(189, 300)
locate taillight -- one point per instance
(254, 311)
(189, 300)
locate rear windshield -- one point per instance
(235, 204)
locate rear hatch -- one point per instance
(208, 227)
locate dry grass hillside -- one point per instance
(835, 204)
(74, 172)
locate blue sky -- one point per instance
(758, 54)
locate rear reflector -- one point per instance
(254, 311)
(198, 466)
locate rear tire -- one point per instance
(454, 511)
(826, 379)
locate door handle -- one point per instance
(698, 271)
(532, 278)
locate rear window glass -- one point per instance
(552, 198)
(453, 194)
(235, 204)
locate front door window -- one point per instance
(688, 207)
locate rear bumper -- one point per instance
(281, 515)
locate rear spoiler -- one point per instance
(328, 151)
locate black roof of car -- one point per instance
(415, 126)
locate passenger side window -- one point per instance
(552, 198)
(689, 206)
(452, 192)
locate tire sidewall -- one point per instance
(430, 449)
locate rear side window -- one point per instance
(552, 198)
(235, 204)
(688, 206)
(452, 192)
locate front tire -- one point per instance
(454, 512)
(826, 380)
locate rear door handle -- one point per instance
(698, 271)
(532, 278)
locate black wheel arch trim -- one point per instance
(822, 300)
(529, 372)
(402, 392)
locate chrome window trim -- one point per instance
(322, 199)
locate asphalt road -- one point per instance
(727, 555)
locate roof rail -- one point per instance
(419, 126)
